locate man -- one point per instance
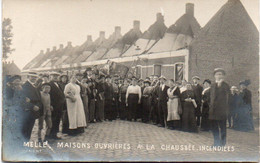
(219, 107)
(197, 89)
(57, 101)
(109, 111)
(162, 102)
(88, 73)
(33, 107)
(100, 85)
(154, 104)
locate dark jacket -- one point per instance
(162, 94)
(219, 101)
(57, 96)
(198, 93)
(34, 95)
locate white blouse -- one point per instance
(134, 90)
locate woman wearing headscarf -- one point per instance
(173, 106)
(205, 123)
(76, 114)
(244, 118)
(188, 107)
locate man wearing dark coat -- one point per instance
(33, 106)
(162, 102)
(219, 107)
(57, 101)
(197, 89)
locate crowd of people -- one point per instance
(91, 97)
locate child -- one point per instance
(47, 109)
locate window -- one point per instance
(157, 70)
(179, 68)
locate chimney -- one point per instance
(48, 50)
(190, 9)
(41, 52)
(89, 38)
(61, 46)
(117, 29)
(102, 34)
(54, 48)
(136, 24)
(159, 17)
(69, 43)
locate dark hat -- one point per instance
(108, 76)
(147, 81)
(207, 81)
(15, 77)
(32, 74)
(195, 77)
(163, 77)
(133, 77)
(45, 75)
(54, 73)
(45, 84)
(140, 80)
(63, 74)
(79, 74)
(219, 70)
(88, 69)
(245, 82)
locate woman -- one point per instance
(84, 95)
(233, 101)
(147, 101)
(244, 118)
(122, 99)
(77, 120)
(133, 98)
(205, 123)
(173, 106)
(188, 107)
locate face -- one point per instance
(33, 79)
(93, 76)
(195, 81)
(17, 83)
(54, 77)
(155, 78)
(242, 86)
(233, 91)
(162, 81)
(108, 80)
(219, 76)
(146, 84)
(89, 73)
(183, 82)
(189, 87)
(171, 83)
(64, 79)
(134, 82)
(79, 77)
(46, 89)
(206, 85)
(73, 79)
(45, 79)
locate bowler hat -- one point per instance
(195, 77)
(147, 81)
(219, 70)
(163, 77)
(207, 81)
(45, 84)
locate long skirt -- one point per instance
(110, 112)
(100, 109)
(122, 108)
(189, 118)
(205, 122)
(132, 105)
(85, 104)
(146, 103)
(91, 110)
(244, 120)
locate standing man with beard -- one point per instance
(57, 101)
(197, 89)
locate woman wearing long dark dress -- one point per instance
(188, 107)
(244, 120)
(174, 106)
(84, 95)
(147, 101)
(205, 123)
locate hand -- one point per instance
(51, 108)
(27, 99)
(36, 108)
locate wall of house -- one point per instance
(239, 58)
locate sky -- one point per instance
(42, 24)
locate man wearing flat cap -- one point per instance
(219, 107)
(197, 89)
(57, 101)
(33, 107)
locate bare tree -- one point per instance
(7, 36)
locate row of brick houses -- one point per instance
(229, 40)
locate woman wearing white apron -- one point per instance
(76, 114)
(174, 106)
